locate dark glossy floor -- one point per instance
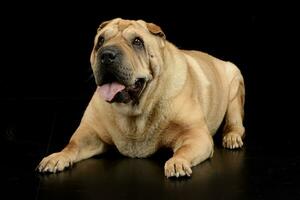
(266, 168)
(45, 64)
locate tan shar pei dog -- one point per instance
(149, 95)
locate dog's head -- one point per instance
(126, 58)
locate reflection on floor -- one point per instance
(34, 128)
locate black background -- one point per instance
(45, 69)
(46, 49)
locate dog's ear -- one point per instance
(102, 25)
(155, 30)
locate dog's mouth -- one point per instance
(113, 90)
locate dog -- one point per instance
(149, 95)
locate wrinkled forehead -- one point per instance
(124, 28)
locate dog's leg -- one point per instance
(190, 149)
(83, 144)
(234, 129)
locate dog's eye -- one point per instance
(138, 42)
(100, 42)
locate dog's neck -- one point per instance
(173, 64)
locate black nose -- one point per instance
(108, 56)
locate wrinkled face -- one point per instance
(124, 59)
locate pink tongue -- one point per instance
(108, 91)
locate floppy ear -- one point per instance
(155, 30)
(103, 24)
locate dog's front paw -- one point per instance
(177, 167)
(232, 140)
(55, 162)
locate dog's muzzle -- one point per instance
(116, 82)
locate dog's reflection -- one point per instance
(117, 175)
